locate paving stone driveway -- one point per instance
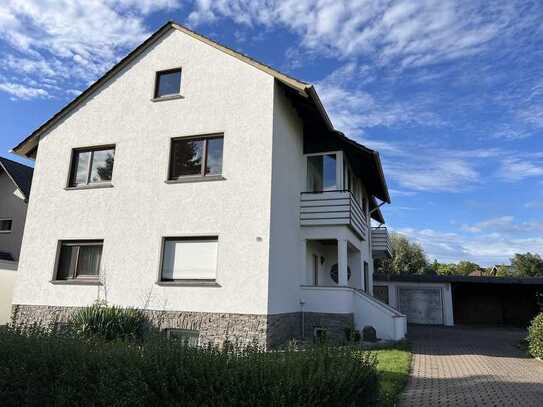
(471, 367)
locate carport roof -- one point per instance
(430, 278)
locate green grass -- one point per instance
(393, 369)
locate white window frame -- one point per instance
(339, 167)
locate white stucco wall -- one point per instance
(12, 206)
(446, 296)
(221, 94)
(288, 181)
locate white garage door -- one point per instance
(421, 305)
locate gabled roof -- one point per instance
(20, 174)
(306, 98)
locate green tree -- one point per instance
(407, 257)
(527, 265)
(447, 269)
(465, 268)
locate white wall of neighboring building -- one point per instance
(8, 272)
(14, 207)
(221, 94)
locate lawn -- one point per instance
(393, 368)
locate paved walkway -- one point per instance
(471, 367)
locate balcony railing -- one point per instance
(380, 243)
(332, 208)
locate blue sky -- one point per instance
(449, 91)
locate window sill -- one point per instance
(5, 232)
(168, 97)
(188, 283)
(95, 186)
(76, 282)
(189, 179)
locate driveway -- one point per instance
(471, 367)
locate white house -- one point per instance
(208, 189)
(15, 182)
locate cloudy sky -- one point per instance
(449, 91)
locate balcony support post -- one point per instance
(342, 262)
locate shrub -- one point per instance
(109, 322)
(535, 337)
(41, 369)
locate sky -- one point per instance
(450, 92)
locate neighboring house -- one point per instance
(461, 300)
(15, 181)
(210, 190)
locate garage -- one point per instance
(421, 305)
(462, 300)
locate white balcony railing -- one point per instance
(332, 208)
(380, 243)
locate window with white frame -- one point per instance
(322, 173)
(189, 258)
(6, 225)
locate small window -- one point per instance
(196, 156)
(6, 225)
(168, 83)
(193, 258)
(92, 166)
(187, 336)
(79, 260)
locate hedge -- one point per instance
(43, 369)
(535, 337)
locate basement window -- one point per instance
(6, 225)
(187, 336)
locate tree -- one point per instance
(527, 265)
(407, 257)
(465, 268)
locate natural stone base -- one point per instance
(265, 331)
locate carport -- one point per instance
(462, 300)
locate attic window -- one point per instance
(168, 83)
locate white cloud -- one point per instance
(404, 32)
(352, 109)
(518, 168)
(486, 250)
(72, 40)
(427, 172)
(505, 225)
(22, 92)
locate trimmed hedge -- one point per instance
(42, 369)
(535, 337)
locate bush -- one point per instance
(41, 369)
(109, 322)
(535, 337)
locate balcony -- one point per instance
(333, 208)
(380, 243)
